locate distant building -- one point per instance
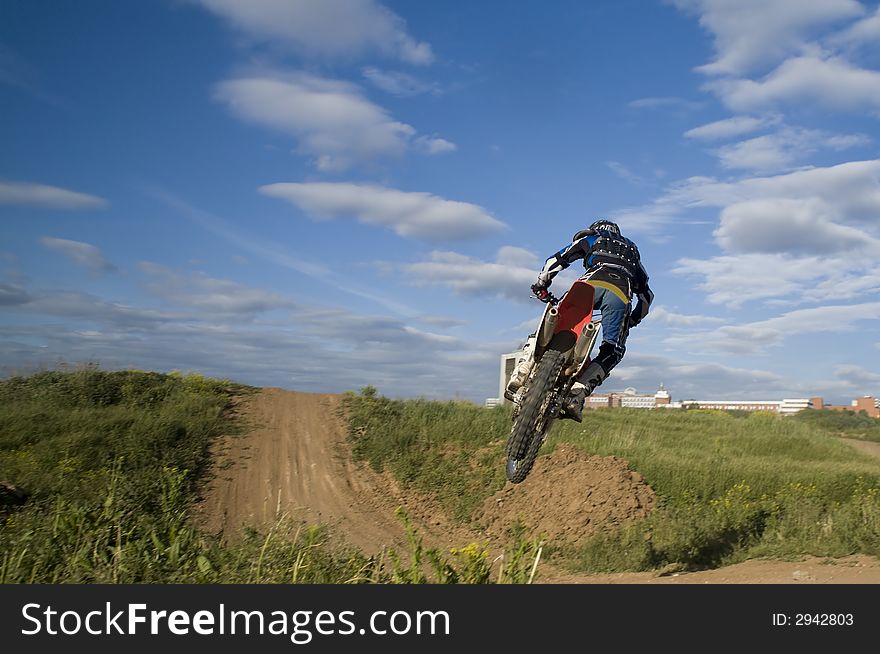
(631, 399)
(662, 397)
(508, 363)
(789, 407)
(867, 403)
(598, 401)
(733, 405)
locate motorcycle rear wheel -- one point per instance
(532, 423)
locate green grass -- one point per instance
(448, 449)
(730, 485)
(733, 487)
(842, 423)
(68, 434)
(112, 463)
(702, 454)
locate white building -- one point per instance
(734, 405)
(662, 397)
(789, 407)
(600, 401)
(630, 399)
(508, 363)
(785, 407)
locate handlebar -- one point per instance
(551, 299)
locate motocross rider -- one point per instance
(614, 269)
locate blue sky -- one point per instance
(324, 194)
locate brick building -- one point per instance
(867, 403)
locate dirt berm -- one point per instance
(295, 460)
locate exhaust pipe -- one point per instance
(583, 346)
(548, 326)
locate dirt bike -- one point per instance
(564, 341)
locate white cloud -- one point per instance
(790, 225)
(664, 315)
(829, 82)
(80, 307)
(331, 119)
(409, 214)
(734, 280)
(325, 27)
(45, 196)
(858, 376)
(782, 279)
(851, 191)
(767, 153)
(83, 254)
(730, 127)
(431, 145)
(444, 322)
(708, 380)
(854, 281)
(756, 337)
(510, 255)
(278, 254)
(865, 31)
(510, 275)
(665, 102)
(750, 34)
(791, 47)
(400, 84)
(207, 294)
(780, 150)
(696, 380)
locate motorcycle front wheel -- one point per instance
(532, 421)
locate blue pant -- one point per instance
(615, 327)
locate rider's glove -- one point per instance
(541, 292)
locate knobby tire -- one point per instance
(525, 437)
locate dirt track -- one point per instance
(296, 461)
(292, 463)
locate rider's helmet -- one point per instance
(603, 224)
(606, 225)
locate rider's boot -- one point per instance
(521, 371)
(573, 406)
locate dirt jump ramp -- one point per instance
(295, 462)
